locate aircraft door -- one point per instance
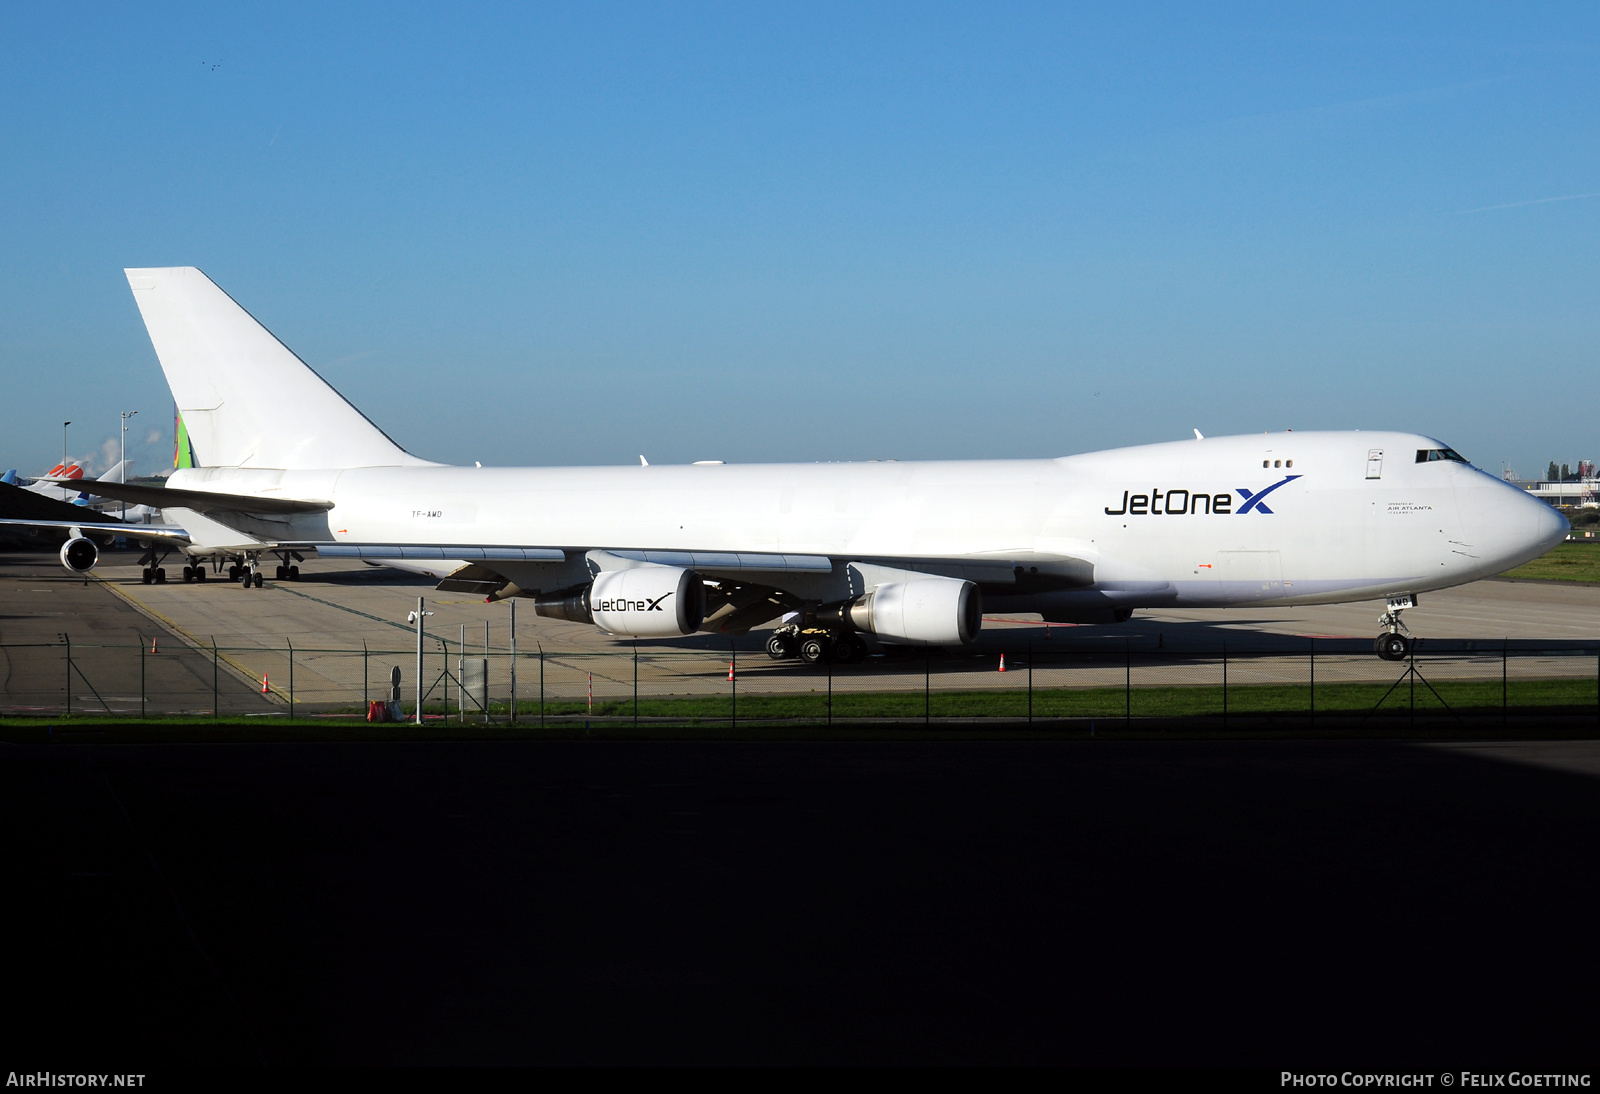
(1374, 463)
(1250, 576)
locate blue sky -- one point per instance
(575, 233)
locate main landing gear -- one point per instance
(247, 572)
(1392, 645)
(154, 573)
(287, 570)
(813, 645)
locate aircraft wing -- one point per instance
(103, 530)
(744, 589)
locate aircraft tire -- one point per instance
(258, 580)
(294, 573)
(200, 572)
(813, 649)
(161, 575)
(1393, 647)
(188, 575)
(848, 649)
(146, 576)
(780, 647)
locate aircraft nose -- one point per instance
(1551, 526)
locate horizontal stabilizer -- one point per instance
(204, 501)
(19, 504)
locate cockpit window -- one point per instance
(1429, 455)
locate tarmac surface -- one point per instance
(1302, 905)
(338, 611)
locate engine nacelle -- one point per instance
(79, 554)
(925, 611)
(642, 602)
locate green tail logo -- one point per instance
(182, 448)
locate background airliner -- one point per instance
(910, 552)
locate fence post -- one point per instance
(366, 695)
(513, 604)
(1127, 684)
(141, 676)
(1504, 642)
(1030, 680)
(216, 705)
(830, 692)
(635, 683)
(67, 638)
(733, 679)
(1224, 684)
(1313, 683)
(927, 686)
(541, 684)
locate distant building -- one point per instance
(1578, 494)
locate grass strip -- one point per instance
(1566, 562)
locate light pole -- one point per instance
(417, 617)
(64, 446)
(126, 414)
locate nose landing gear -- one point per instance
(1392, 644)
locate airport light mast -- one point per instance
(126, 414)
(64, 446)
(417, 617)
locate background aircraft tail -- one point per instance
(245, 398)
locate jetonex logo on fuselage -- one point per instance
(1180, 502)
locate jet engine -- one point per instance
(642, 602)
(924, 611)
(79, 554)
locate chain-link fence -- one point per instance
(661, 685)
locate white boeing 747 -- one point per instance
(907, 552)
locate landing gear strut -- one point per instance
(250, 573)
(1392, 644)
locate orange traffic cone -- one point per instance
(152, 645)
(1002, 662)
(265, 687)
(730, 671)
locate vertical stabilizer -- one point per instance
(246, 400)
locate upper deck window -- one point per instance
(1429, 455)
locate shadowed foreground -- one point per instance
(1290, 904)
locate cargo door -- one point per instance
(1250, 575)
